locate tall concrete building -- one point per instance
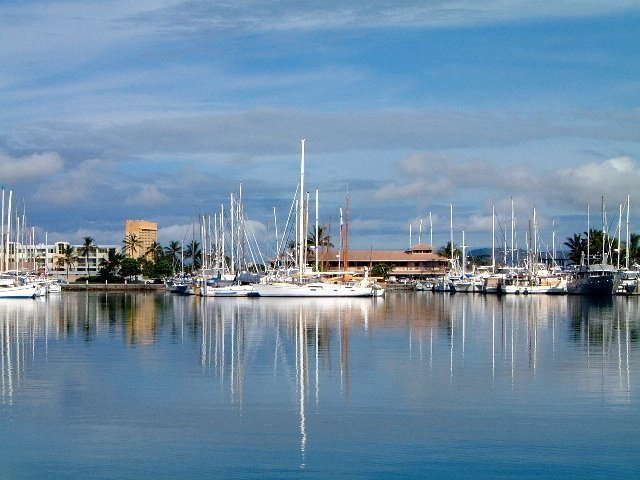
(146, 232)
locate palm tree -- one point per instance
(69, 257)
(155, 251)
(446, 251)
(595, 237)
(132, 244)
(577, 247)
(173, 250)
(85, 250)
(634, 248)
(194, 253)
(324, 239)
(110, 265)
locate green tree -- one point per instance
(162, 268)
(595, 237)
(634, 248)
(173, 251)
(110, 266)
(154, 252)
(446, 251)
(85, 250)
(132, 244)
(130, 267)
(324, 239)
(577, 247)
(381, 270)
(194, 253)
(69, 257)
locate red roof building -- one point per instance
(416, 261)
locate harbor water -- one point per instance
(412, 385)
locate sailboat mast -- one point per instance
(513, 224)
(493, 239)
(317, 249)
(553, 243)
(464, 255)
(6, 264)
(627, 236)
(604, 230)
(535, 236)
(619, 236)
(451, 228)
(233, 239)
(275, 226)
(223, 261)
(203, 240)
(588, 234)
(430, 230)
(241, 238)
(305, 237)
(346, 233)
(301, 215)
(4, 247)
(341, 255)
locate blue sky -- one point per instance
(158, 110)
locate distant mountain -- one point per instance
(482, 256)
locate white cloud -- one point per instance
(148, 196)
(102, 237)
(198, 16)
(30, 167)
(176, 232)
(614, 179)
(460, 181)
(77, 184)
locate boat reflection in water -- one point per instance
(272, 386)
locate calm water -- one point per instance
(415, 385)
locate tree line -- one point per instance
(130, 261)
(594, 242)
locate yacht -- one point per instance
(594, 279)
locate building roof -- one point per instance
(422, 248)
(383, 256)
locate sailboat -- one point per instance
(301, 285)
(10, 287)
(223, 279)
(12, 284)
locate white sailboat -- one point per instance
(11, 287)
(300, 286)
(222, 278)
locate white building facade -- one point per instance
(52, 260)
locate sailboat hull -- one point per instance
(20, 291)
(230, 291)
(317, 289)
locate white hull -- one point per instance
(317, 289)
(534, 289)
(54, 288)
(229, 291)
(20, 291)
(463, 286)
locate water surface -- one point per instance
(413, 385)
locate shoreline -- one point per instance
(113, 287)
